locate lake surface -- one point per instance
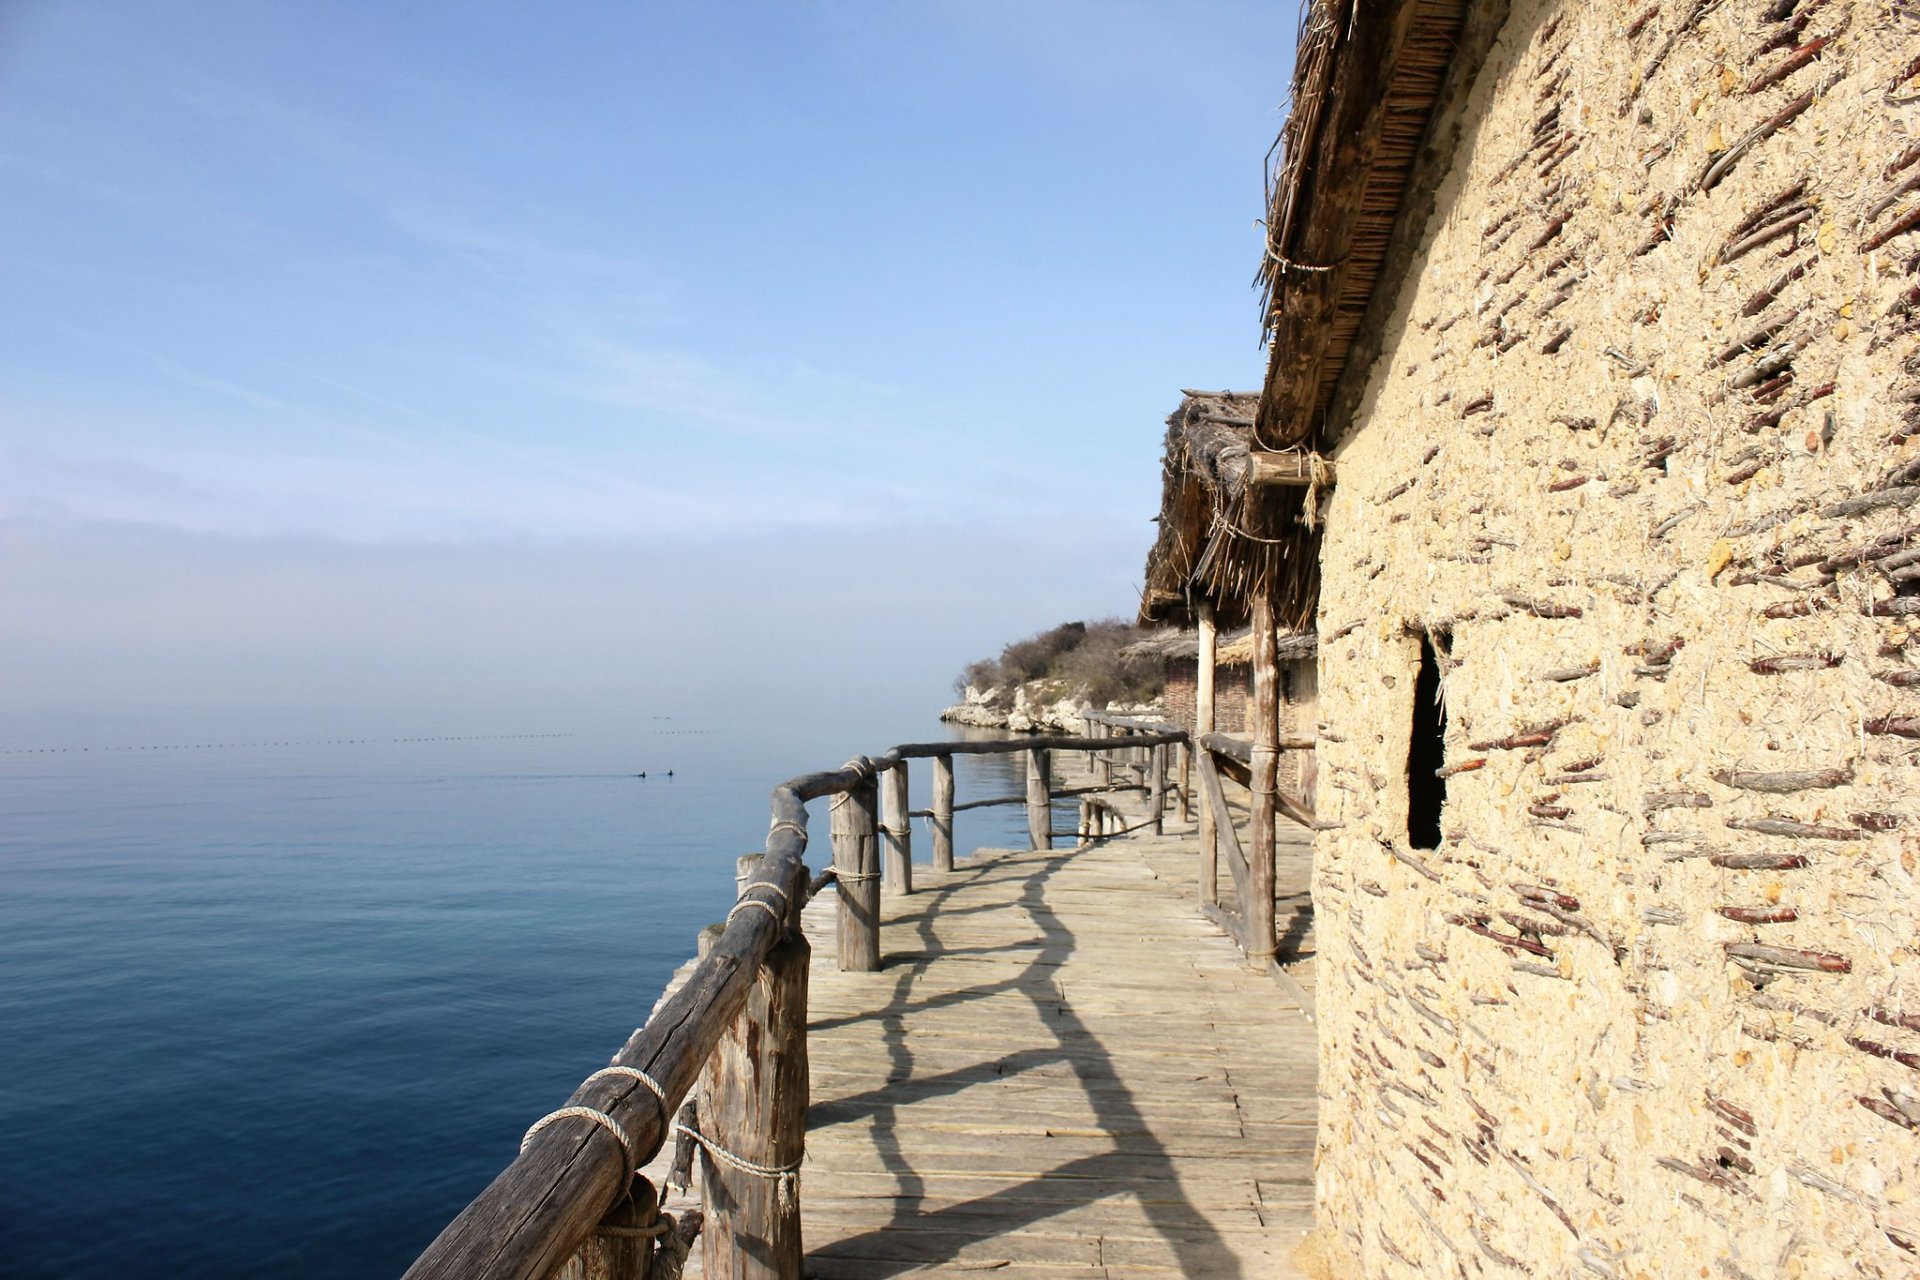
(288, 1006)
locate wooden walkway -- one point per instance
(1061, 1071)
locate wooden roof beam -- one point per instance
(1296, 468)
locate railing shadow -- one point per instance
(941, 1234)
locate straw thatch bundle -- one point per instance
(1206, 550)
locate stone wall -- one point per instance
(1634, 465)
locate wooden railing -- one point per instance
(571, 1204)
(1249, 917)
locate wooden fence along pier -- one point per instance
(1090, 939)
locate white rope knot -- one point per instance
(1319, 475)
(848, 877)
(600, 1118)
(786, 1176)
(765, 906)
(770, 887)
(631, 1073)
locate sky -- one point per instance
(470, 366)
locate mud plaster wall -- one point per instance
(1639, 440)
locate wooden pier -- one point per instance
(1057, 1061)
(1062, 1070)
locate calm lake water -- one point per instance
(286, 1007)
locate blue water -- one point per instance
(289, 1006)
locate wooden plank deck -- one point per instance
(1061, 1071)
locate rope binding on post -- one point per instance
(786, 1176)
(600, 1118)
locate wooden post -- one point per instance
(1184, 790)
(743, 869)
(943, 814)
(1106, 758)
(619, 1252)
(1202, 726)
(1039, 808)
(755, 1107)
(1264, 783)
(1157, 788)
(856, 864)
(897, 829)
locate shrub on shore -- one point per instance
(1086, 659)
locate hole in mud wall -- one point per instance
(1426, 750)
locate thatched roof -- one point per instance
(1360, 160)
(1203, 501)
(1235, 649)
(1359, 163)
(1366, 82)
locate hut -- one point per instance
(1588, 442)
(1178, 653)
(1196, 584)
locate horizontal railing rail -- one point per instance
(568, 1201)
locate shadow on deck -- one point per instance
(1061, 1069)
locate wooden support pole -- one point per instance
(856, 864)
(1184, 790)
(755, 1107)
(1264, 783)
(1157, 790)
(1039, 807)
(743, 871)
(1210, 818)
(943, 814)
(896, 831)
(1106, 757)
(619, 1251)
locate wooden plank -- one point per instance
(1228, 839)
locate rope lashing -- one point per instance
(1319, 475)
(600, 1118)
(770, 887)
(660, 1226)
(786, 1176)
(788, 824)
(632, 1073)
(767, 907)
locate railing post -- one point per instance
(856, 865)
(1265, 780)
(1106, 758)
(943, 813)
(1202, 726)
(896, 830)
(622, 1249)
(1184, 788)
(755, 1108)
(1039, 808)
(1157, 793)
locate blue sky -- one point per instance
(393, 353)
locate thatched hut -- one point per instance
(1588, 438)
(1179, 655)
(1199, 579)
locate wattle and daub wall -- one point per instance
(1638, 463)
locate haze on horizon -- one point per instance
(461, 366)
